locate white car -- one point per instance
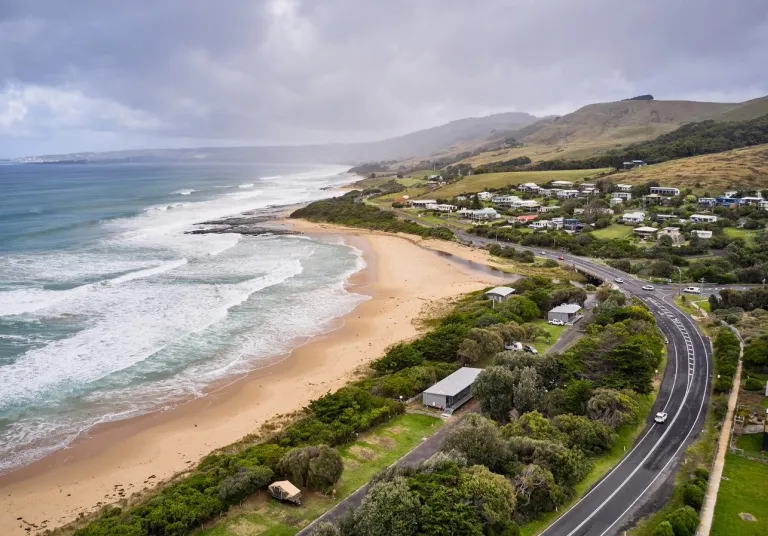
(542, 252)
(661, 417)
(530, 349)
(648, 287)
(619, 280)
(515, 346)
(556, 322)
(692, 290)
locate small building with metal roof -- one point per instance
(500, 294)
(567, 312)
(453, 391)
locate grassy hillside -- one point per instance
(478, 183)
(747, 167)
(598, 128)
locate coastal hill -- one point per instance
(590, 130)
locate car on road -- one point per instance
(542, 252)
(515, 346)
(561, 258)
(661, 417)
(530, 349)
(619, 280)
(692, 290)
(648, 287)
(556, 322)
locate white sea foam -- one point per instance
(185, 192)
(246, 185)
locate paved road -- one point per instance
(613, 503)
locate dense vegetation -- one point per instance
(693, 139)
(726, 357)
(350, 210)
(756, 298)
(545, 418)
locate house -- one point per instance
(527, 218)
(546, 192)
(435, 178)
(484, 214)
(442, 208)
(484, 196)
(615, 201)
(666, 191)
(633, 217)
(567, 313)
(673, 233)
(703, 218)
(707, 201)
(529, 205)
(567, 194)
(561, 184)
(453, 391)
(624, 187)
(731, 193)
(505, 200)
(653, 198)
(727, 201)
(461, 198)
(702, 234)
(624, 196)
(590, 191)
(645, 232)
(763, 205)
(750, 201)
(549, 208)
(529, 187)
(633, 164)
(666, 217)
(500, 294)
(544, 225)
(422, 203)
(572, 224)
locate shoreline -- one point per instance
(115, 460)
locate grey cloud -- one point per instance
(346, 70)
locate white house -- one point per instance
(484, 214)
(645, 232)
(528, 205)
(763, 205)
(505, 200)
(702, 234)
(484, 196)
(624, 187)
(673, 233)
(750, 201)
(529, 187)
(461, 198)
(703, 218)
(616, 201)
(730, 193)
(545, 224)
(549, 208)
(707, 201)
(624, 196)
(545, 192)
(562, 184)
(423, 203)
(665, 191)
(585, 185)
(442, 208)
(567, 194)
(633, 217)
(500, 294)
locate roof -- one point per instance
(527, 217)
(501, 291)
(645, 230)
(569, 308)
(287, 487)
(455, 383)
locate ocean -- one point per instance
(108, 310)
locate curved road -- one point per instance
(612, 504)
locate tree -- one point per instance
(478, 439)
(614, 408)
(534, 425)
(684, 521)
(663, 529)
(591, 437)
(317, 468)
(494, 389)
(397, 358)
(536, 492)
(492, 495)
(693, 495)
(576, 396)
(470, 351)
(519, 308)
(326, 529)
(389, 508)
(234, 489)
(528, 391)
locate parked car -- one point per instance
(661, 417)
(619, 280)
(692, 290)
(516, 346)
(542, 252)
(561, 258)
(556, 322)
(530, 349)
(648, 287)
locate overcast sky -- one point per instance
(113, 74)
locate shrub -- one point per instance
(317, 468)
(753, 384)
(235, 488)
(684, 521)
(397, 358)
(693, 496)
(663, 529)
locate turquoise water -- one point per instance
(109, 310)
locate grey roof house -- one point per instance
(500, 294)
(567, 312)
(453, 391)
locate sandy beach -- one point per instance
(403, 277)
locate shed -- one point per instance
(285, 491)
(567, 312)
(500, 294)
(452, 391)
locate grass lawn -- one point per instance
(484, 181)
(262, 516)
(615, 230)
(743, 490)
(408, 182)
(751, 443)
(542, 345)
(747, 234)
(602, 466)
